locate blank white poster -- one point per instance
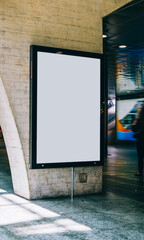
(68, 108)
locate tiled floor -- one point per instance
(117, 213)
(119, 173)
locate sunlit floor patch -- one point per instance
(58, 226)
(2, 190)
(14, 209)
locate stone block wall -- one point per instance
(71, 24)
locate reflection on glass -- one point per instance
(130, 71)
(126, 114)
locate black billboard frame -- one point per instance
(33, 107)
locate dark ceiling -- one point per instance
(125, 27)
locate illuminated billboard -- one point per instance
(65, 116)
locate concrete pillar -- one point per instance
(13, 146)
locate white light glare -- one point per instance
(122, 46)
(104, 36)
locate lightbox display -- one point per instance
(65, 123)
(126, 114)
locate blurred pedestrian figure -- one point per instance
(138, 129)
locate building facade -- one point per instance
(65, 24)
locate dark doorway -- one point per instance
(5, 174)
(123, 45)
